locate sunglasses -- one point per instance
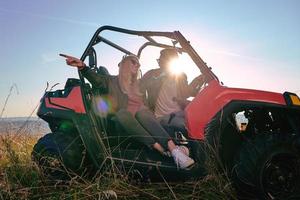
(134, 61)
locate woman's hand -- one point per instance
(72, 61)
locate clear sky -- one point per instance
(250, 44)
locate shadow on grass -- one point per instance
(21, 178)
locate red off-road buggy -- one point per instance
(255, 134)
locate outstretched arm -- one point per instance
(99, 81)
(74, 62)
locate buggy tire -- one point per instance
(268, 166)
(59, 155)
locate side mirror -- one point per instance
(92, 59)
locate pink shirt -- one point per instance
(135, 103)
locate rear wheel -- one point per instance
(60, 155)
(270, 165)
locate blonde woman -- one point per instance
(128, 106)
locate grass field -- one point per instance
(21, 178)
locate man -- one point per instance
(167, 93)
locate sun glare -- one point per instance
(183, 64)
(175, 66)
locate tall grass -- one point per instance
(21, 178)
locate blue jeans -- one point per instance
(143, 127)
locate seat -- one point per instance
(100, 90)
(102, 70)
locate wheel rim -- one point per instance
(279, 176)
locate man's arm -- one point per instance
(194, 86)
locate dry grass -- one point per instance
(21, 178)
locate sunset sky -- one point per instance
(249, 44)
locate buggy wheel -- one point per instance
(268, 165)
(59, 155)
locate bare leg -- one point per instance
(158, 147)
(171, 145)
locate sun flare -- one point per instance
(182, 64)
(175, 66)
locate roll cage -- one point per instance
(176, 37)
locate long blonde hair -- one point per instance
(128, 82)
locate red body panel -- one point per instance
(73, 101)
(213, 98)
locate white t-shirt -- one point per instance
(165, 104)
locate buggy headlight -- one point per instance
(291, 99)
(295, 100)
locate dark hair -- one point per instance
(169, 52)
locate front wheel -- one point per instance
(269, 164)
(59, 155)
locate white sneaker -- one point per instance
(184, 150)
(182, 161)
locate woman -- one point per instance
(129, 108)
